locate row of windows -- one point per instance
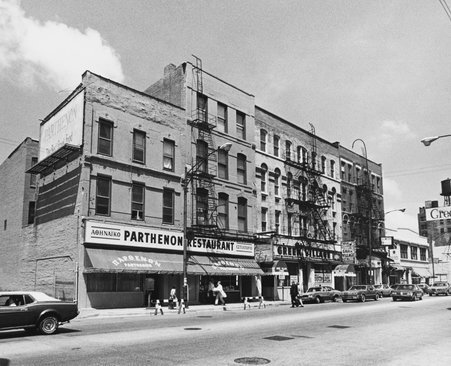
(352, 174)
(302, 155)
(413, 252)
(203, 214)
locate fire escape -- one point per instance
(204, 216)
(306, 200)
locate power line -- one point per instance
(446, 8)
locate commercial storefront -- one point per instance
(130, 266)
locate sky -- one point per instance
(372, 70)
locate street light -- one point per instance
(369, 210)
(429, 140)
(186, 180)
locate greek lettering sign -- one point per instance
(65, 127)
(135, 236)
(438, 213)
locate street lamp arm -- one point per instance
(429, 140)
(397, 209)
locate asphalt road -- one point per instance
(373, 333)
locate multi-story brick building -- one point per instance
(17, 208)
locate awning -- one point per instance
(220, 266)
(421, 272)
(277, 268)
(105, 260)
(396, 267)
(343, 270)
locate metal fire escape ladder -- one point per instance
(202, 125)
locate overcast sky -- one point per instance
(374, 70)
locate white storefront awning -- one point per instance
(344, 270)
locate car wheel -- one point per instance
(48, 325)
(376, 297)
(317, 300)
(345, 300)
(394, 298)
(362, 298)
(430, 294)
(336, 298)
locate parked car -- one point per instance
(360, 293)
(319, 294)
(424, 287)
(34, 310)
(384, 290)
(440, 288)
(407, 292)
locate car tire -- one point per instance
(345, 300)
(430, 294)
(318, 300)
(48, 325)
(362, 298)
(395, 298)
(376, 297)
(336, 298)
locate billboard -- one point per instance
(387, 241)
(438, 213)
(65, 127)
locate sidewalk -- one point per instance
(87, 313)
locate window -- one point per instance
(222, 118)
(137, 201)
(34, 161)
(105, 143)
(168, 206)
(289, 184)
(304, 155)
(289, 227)
(414, 253)
(127, 282)
(423, 254)
(139, 146)
(343, 171)
(277, 218)
(202, 156)
(323, 164)
(242, 214)
(357, 175)
(288, 150)
(241, 169)
(403, 251)
(277, 182)
(263, 174)
(263, 135)
(313, 160)
(264, 218)
(223, 211)
(223, 164)
(202, 108)
(103, 196)
(31, 211)
(332, 168)
(168, 155)
(276, 145)
(202, 206)
(349, 173)
(101, 282)
(241, 125)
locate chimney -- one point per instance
(169, 69)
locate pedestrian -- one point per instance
(172, 298)
(220, 295)
(299, 297)
(210, 294)
(294, 292)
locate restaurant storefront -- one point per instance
(130, 266)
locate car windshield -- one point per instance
(358, 288)
(405, 287)
(440, 284)
(40, 296)
(314, 289)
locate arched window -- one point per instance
(277, 181)
(263, 136)
(242, 214)
(223, 211)
(263, 176)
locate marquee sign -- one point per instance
(136, 236)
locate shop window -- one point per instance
(139, 146)
(242, 214)
(168, 206)
(222, 118)
(241, 125)
(168, 155)
(103, 196)
(223, 211)
(105, 142)
(138, 201)
(223, 164)
(101, 282)
(128, 282)
(241, 169)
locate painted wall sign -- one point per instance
(135, 236)
(65, 127)
(348, 252)
(438, 213)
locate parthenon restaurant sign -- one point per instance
(137, 236)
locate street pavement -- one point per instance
(86, 313)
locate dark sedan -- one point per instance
(360, 293)
(407, 292)
(34, 310)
